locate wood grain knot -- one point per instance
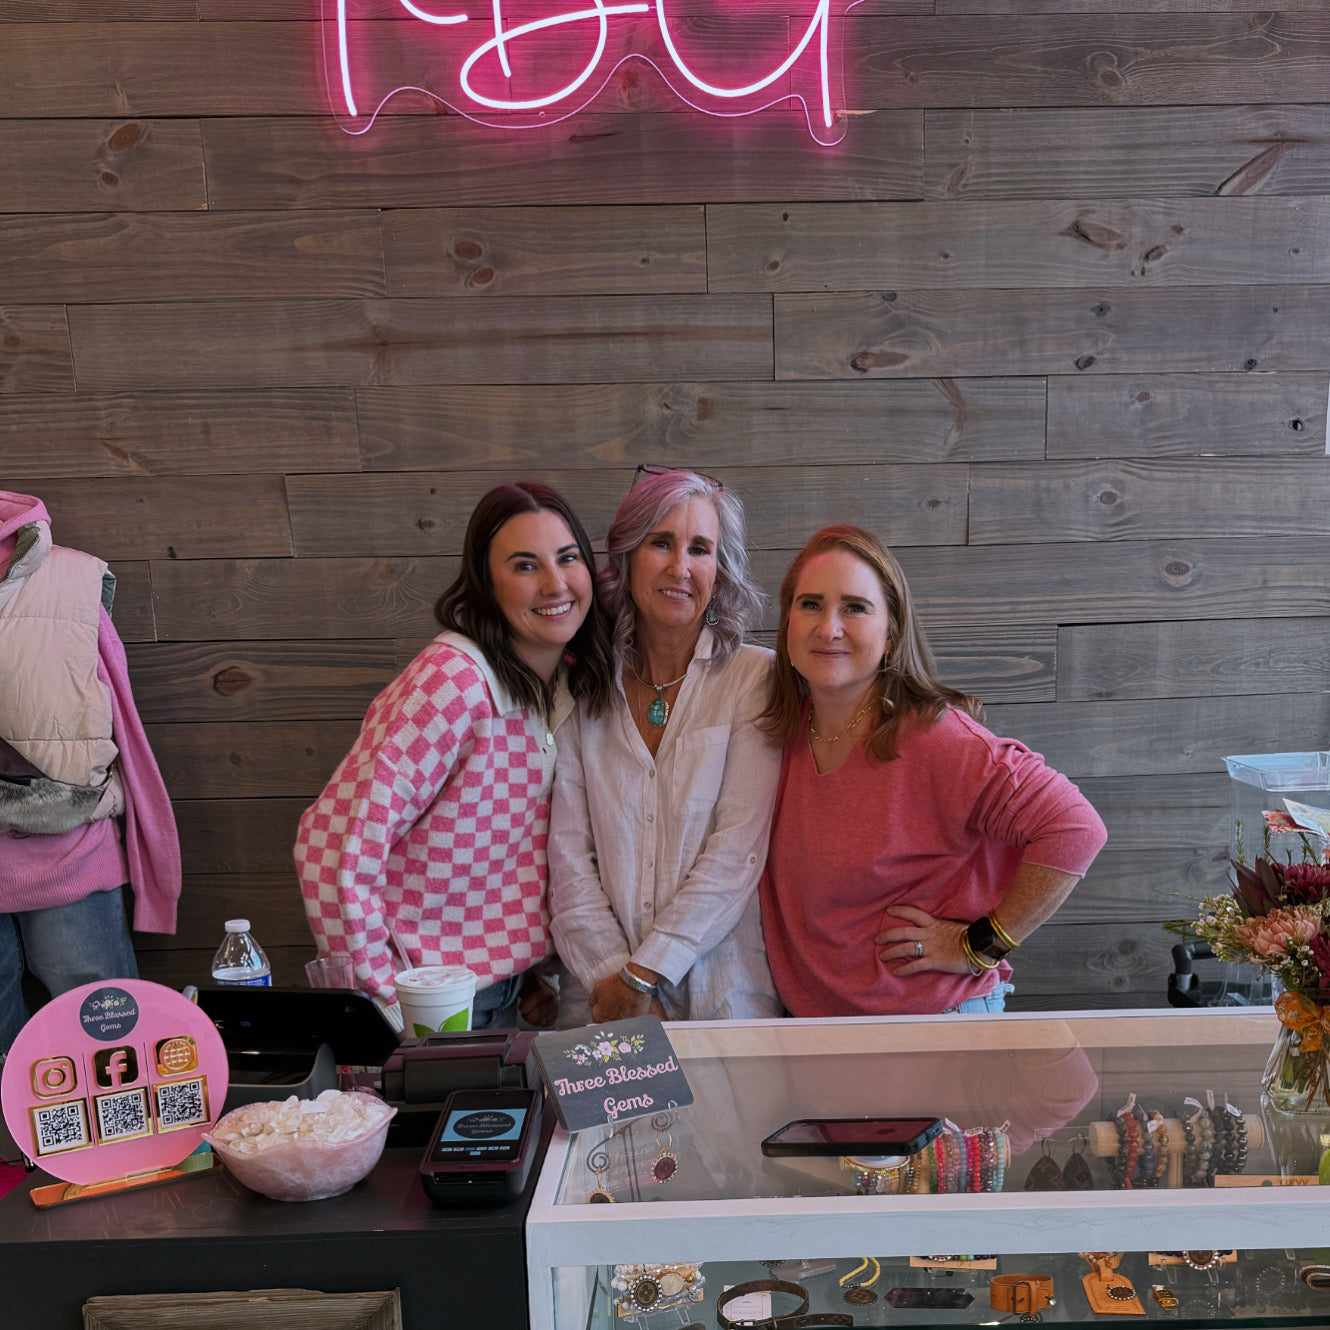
(13, 341)
(1296, 424)
(125, 137)
(1083, 362)
(231, 680)
(110, 179)
(467, 249)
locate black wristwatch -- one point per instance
(984, 940)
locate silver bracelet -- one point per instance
(638, 985)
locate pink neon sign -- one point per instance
(525, 64)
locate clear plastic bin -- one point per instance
(1261, 782)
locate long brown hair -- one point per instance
(908, 692)
(468, 606)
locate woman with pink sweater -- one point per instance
(911, 849)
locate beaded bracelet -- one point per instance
(1132, 1128)
(955, 1162)
(1209, 1162)
(1145, 1169)
(1159, 1135)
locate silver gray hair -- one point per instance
(737, 600)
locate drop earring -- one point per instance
(1076, 1175)
(1045, 1175)
(599, 1194)
(665, 1165)
(711, 616)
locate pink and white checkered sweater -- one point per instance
(435, 823)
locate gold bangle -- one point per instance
(978, 964)
(1002, 935)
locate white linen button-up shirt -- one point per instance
(657, 859)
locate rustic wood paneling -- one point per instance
(142, 518)
(1208, 658)
(160, 69)
(1185, 734)
(1128, 152)
(997, 664)
(259, 680)
(1187, 415)
(1147, 500)
(190, 256)
(1168, 812)
(544, 251)
(249, 759)
(177, 433)
(34, 350)
(270, 901)
(423, 514)
(879, 246)
(1088, 59)
(83, 11)
(444, 161)
(701, 424)
(1099, 6)
(353, 342)
(1109, 330)
(1127, 886)
(1096, 965)
(1052, 319)
(261, 599)
(1115, 583)
(238, 836)
(101, 165)
(132, 610)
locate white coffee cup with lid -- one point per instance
(435, 998)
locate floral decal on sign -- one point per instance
(605, 1046)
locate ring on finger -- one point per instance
(918, 950)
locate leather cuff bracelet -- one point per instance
(799, 1318)
(1021, 1294)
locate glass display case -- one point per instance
(1120, 1164)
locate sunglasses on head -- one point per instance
(657, 469)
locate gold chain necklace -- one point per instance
(836, 738)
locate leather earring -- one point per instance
(711, 616)
(1076, 1175)
(1045, 1175)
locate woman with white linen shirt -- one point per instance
(662, 804)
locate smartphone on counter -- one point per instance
(482, 1146)
(852, 1136)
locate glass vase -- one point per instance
(1297, 1078)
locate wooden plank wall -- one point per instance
(1054, 319)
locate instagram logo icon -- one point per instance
(52, 1077)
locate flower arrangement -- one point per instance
(1277, 917)
(605, 1046)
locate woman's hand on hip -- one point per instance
(613, 1000)
(922, 943)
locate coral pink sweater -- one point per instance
(943, 828)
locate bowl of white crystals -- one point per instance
(303, 1149)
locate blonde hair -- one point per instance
(909, 692)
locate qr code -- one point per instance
(59, 1127)
(122, 1116)
(181, 1103)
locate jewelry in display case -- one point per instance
(640, 1288)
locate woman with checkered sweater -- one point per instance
(428, 844)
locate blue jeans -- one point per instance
(64, 947)
(994, 1000)
(495, 1007)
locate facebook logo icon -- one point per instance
(114, 1067)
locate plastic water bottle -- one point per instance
(240, 960)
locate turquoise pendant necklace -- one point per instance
(659, 711)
